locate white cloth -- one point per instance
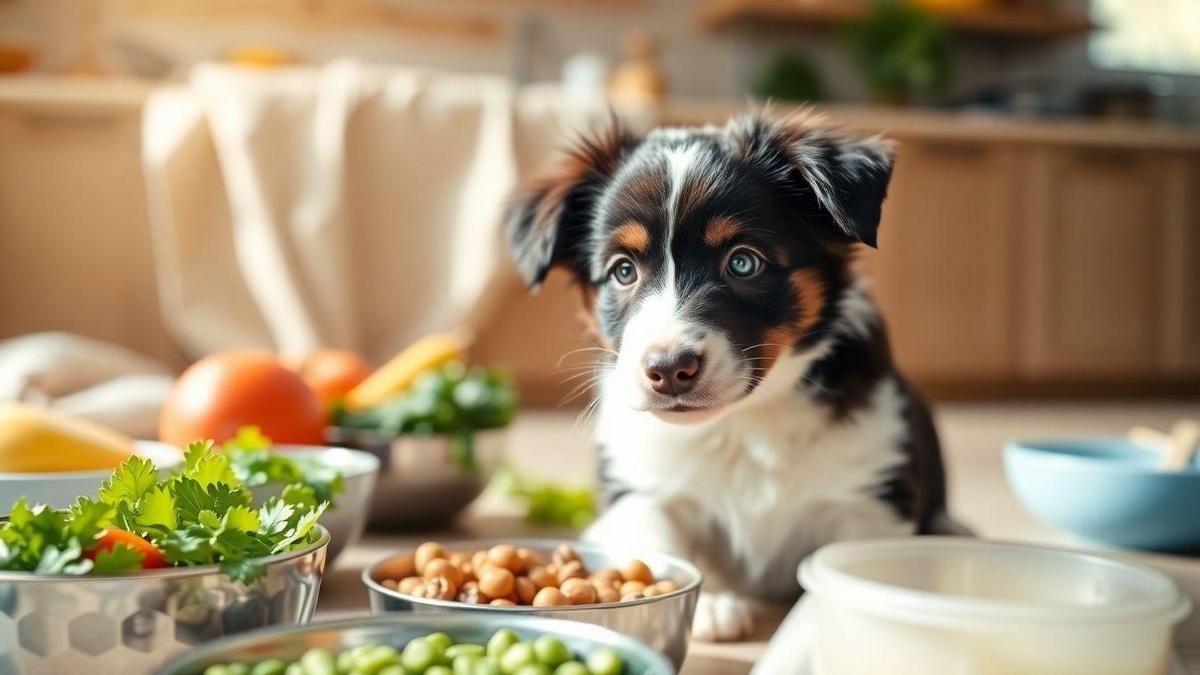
(88, 378)
(345, 205)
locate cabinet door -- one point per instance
(74, 241)
(1181, 254)
(943, 274)
(1096, 273)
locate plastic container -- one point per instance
(956, 606)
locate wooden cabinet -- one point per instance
(1181, 255)
(946, 267)
(1095, 226)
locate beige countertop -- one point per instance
(552, 444)
(66, 92)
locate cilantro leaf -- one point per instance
(134, 478)
(158, 509)
(240, 518)
(301, 496)
(88, 518)
(274, 516)
(299, 532)
(120, 559)
(67, 559)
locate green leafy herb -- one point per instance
(202, 515)
(450, 400)
(252, 462)
(548, 503)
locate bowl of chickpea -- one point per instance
(651, 598)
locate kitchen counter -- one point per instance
(53, 91)
(553, 445)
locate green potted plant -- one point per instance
(901, 50)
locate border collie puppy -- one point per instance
(749, 409)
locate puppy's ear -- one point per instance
(548, 221)
(847, 176)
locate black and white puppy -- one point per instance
(750, 411)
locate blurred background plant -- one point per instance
(789, 77)
(902, 51)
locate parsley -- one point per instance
(203, 515)
(252, 462)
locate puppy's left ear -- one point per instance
(847, 175)
(548, 221)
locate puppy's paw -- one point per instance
(721, 617)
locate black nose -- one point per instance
(673, 372)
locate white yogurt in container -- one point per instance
(958, 606)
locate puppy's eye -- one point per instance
(624, 272)
(744, 264)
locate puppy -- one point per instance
(749, 409)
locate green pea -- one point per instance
(605, 662)
(454, 651)
(501, 641)
(219, 669)
(439, 640)
(516, 656)
(394, 669)
(375, 659)
(533, 669)
(294, 669)
(318, 662)
(572, 668)
(488, 666)
(551, 651)
(438, 670)
(269, 667)
(238, 669)
(418, 655)
(345, 660)
(465, 664)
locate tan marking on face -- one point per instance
(720, 231)
(810, 290)
(809, 293)
(633, 237)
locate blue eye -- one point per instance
(744, 264)
(624, 272)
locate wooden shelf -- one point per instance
(1006, 22)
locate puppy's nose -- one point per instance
(673, 373)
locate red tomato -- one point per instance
(152, 558)
(226, 391)
(330, 372)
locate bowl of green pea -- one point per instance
(423, 644)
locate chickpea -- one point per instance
(550, 597)
(503, 555)
(636, 570)
(542, 577)
(607, 594)
(571, 570)
(631, 596)
(496, 582)
(635, 588)
(564, 554)
(441, 567)
(470, 593)
(608, 577)
(502, 601)
(525, 590)
(399, 567)
(390, 583)
(479, 560)
(666, 586)
(458, 559)
(408, 585)
(439, 588)
(530, 558)
(578, 591)
(430, 550)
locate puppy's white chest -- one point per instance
(777, 481)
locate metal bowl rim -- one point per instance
(557, 626)
(317, 452)
(693, 585)
(170, 573)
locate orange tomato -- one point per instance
(152, 558)
(226, 391)
(330, 372)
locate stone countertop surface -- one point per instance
(553, 444)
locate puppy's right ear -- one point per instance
(548, 222)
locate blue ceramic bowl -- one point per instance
(1107, 490)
